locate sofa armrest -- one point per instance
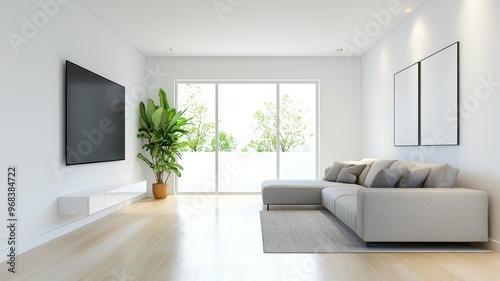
(422, 215)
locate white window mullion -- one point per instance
(278, 131)
(176, 102)
(216, 137)
(318, 171)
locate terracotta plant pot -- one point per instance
(160, 190)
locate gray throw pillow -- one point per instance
(350, 173)
(414, 178)
(388, 177)
(334, 171)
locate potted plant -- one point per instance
(162, 127)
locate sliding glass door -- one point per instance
(243, 133)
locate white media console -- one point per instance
(97, 199)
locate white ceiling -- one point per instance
(252, 27)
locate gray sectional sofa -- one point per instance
(375, 198)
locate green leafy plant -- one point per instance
(200, 128)
(162, 127)
(293, 130)
(227, 143)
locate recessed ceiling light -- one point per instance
(408, 10)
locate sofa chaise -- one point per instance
(391, 201)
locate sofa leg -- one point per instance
(268, 207)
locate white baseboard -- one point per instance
(32, 243)
(493, 245)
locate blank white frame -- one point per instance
(406, 106)
(439, 97)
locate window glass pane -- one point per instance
(199, 158)
(297, 131)
(247, 136)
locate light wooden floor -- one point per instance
(189, 237)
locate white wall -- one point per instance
(339, 91)
(32, 114)
(433, 26)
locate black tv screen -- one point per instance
(95, 117)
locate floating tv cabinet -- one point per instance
(97, 199)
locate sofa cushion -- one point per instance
(350, 173)
(293, 192)
(334, 171)
(376, 166)
(388, 177)
(414, 178)
(362, 177)
(441, 175)
(329, 195)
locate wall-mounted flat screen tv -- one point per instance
(95, 117)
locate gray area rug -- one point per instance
(319, 231)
